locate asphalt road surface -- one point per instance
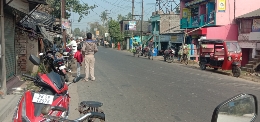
(141, 90)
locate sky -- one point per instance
(114, 7)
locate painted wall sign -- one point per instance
(256, 25)
(132, 25)
(221, 5)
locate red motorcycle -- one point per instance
(53, 92)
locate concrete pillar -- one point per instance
(127, 44)
(3, 67)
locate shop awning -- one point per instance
(255, 13)
(46, 34)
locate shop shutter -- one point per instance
(9, 46)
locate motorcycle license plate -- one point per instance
(42, 98)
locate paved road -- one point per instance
(141, 90)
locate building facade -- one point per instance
(165, 29)
(133, 35)
(212, 19)
(249, 39)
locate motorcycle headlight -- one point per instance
(229, 58)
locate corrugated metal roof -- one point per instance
(255, 13)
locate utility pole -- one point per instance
(2, 53)
(133, 7)
(63, 13)
(142, 19)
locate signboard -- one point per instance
(97, 33)
(256, 25)
(106, 34)
(65, 24)
(165, 38)
(177, 38)
(221, 5)
(132, 25)
(254, 36)
(247, 44)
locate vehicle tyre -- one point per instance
(202, 66)
(215, 68)
(236, 72)
(186, 61)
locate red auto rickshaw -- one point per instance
(220, 54)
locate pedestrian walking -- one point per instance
(88, 50)
(78, 56)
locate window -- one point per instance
(246, 26)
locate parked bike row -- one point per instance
(51, 102)
(216, 54)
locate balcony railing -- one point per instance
(198, 21)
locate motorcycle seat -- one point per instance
(93, 104)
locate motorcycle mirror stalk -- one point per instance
(240, 108)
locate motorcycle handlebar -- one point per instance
(29, 76)
(81, 119)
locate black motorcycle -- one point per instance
(53, 63)
(169, 55)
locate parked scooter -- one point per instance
(68, 57)
(169, 55)
(53, 92)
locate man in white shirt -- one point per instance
(73, 43)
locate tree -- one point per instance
(114, 31)
(129, 16)
(177, 10)
(77, 32)
(98, 26)
(104, 17)
(120, 17)
(75, 6)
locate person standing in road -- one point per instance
(150, 45)
(88, 50)
(78, 56)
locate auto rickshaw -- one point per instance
(220, 54)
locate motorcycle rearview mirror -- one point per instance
(241, 108)
(78, 78)
(35, 60)
(40, 54)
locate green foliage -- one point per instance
(114, 31)
(120, 17)
(78, 32)
(104, 17)
(71, 6)
(102, 29)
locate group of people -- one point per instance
(84, 51)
